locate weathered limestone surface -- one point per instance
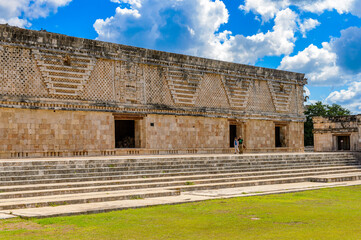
(23, 130)
(327, 130)
(190, 100)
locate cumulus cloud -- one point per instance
(266, 8)
(19, 12)
(318, 63)
(336, 63)
(349, 98)
(273, 43)
(269, 8)
(173, 25)
(307, 25)
(191, 27)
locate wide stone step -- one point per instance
(152, 183)
(337, 177)
(35, 185)
(150, 173)
(36, 202)
(81, 161)
(175, 172)
(168, 164)
(239, 184)
(167, 167)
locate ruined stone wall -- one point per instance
(326, 130)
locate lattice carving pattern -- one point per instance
(69, 76)
(293, 103)
(281, 95)
(119, 83)
(157, 89)
(211, 92)
(260, 99)
(238, 91)
(100, 84)
(183, 84)
(64, 74)
(19, 75)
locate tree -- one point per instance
(323, 110)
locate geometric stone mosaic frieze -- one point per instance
(183, 84)
(63, 73)
(281, 95)
(238, 90)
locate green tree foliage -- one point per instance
(324, 110)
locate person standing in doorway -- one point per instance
(236, 146)
(240, 144)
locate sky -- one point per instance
(321, 38)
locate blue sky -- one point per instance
(321, 38)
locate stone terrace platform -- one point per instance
(65, 186)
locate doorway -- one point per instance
(278, 137)
(343, 143)
(124, 134)
(232, 134)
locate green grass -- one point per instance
(333, 213)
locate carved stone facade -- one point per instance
(341, 133)
(66, 96)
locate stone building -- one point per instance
(66, 96)
(341, 133)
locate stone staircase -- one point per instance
(34, 183)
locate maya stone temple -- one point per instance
(67, 96)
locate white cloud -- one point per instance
(319, 64)
(319, 6)
(307, 25)
(335, 64)
(190, 27)
(266, 8)
(273, 43)
(136, 3)
(269, 8)
(19, 12)
(349, 98)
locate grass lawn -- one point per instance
(333, 213)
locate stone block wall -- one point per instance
(183, 132)
(23, 130)
(260, 134)
(328, 129)
(60, 93)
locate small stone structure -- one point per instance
(341, 133)
(66, 96)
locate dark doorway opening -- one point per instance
(124, 134)
(343, 143)
(232, 134)
(278, 137)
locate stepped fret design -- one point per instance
(64, 74)
(281, 95)
(183, 84)
(238, 91)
